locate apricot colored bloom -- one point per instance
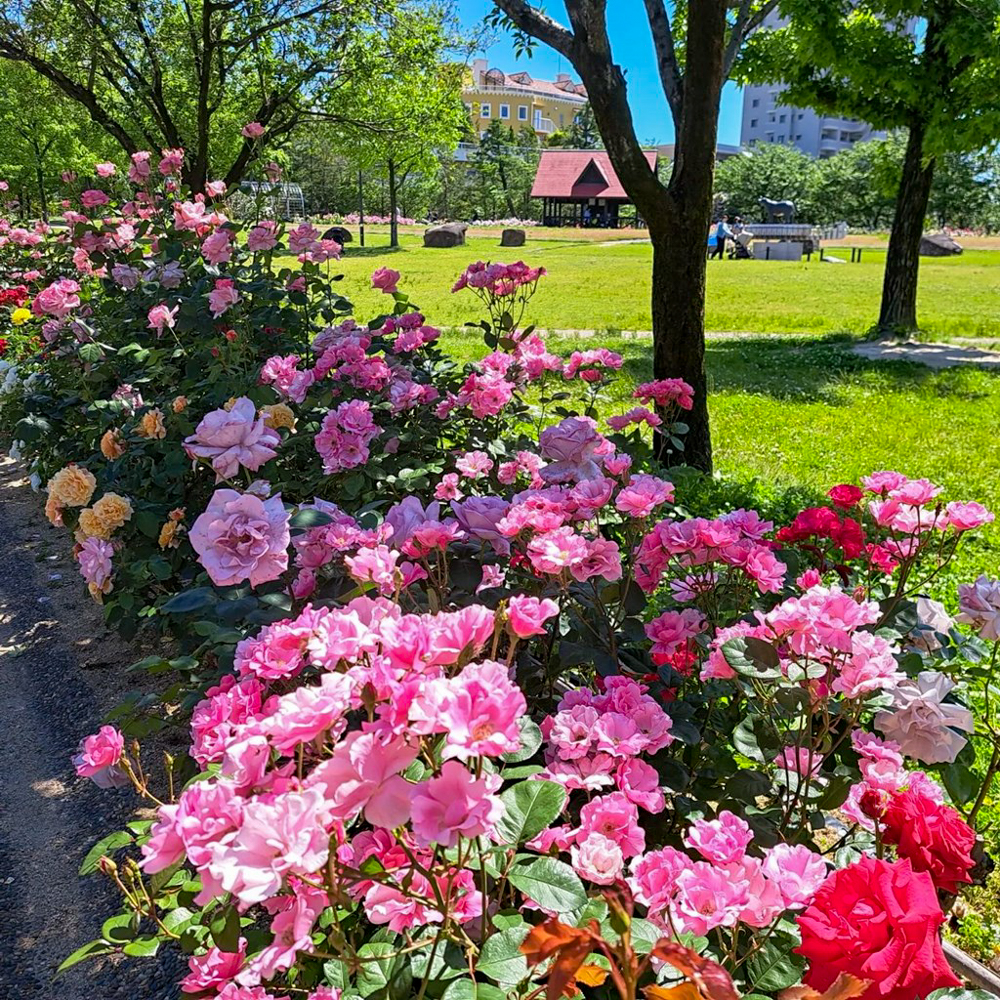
(169, 532)
(98, 758)
(113, 510)
(278, 415)
(454, 805)
(151, 425)
(241, 537)
(72, 486)
(111, 445)
(179, 405)
(54, 511)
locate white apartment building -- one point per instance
(766, 119)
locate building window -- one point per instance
(522, 113)
(781, 118)
(484, 110)
(754, 103)
(538, 119)
(801, 116)
(753, 123)
(781, 138)
(562, 119)
(505, 111)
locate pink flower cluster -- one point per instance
(345, 435)
(501, 280)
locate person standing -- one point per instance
(722, 233)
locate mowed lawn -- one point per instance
(807, 413)
(604, 286)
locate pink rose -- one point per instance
(222, 296)
(92, 199)
(252, 130)
(241, 537)
(233, 438)
(105, 169)
(455, 804)
(172, 162)
(527, 615)
(386, 279)
(162, 317)
(59, 299)
(98, 758)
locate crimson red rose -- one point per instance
(933, 836)
(880, 922)
(846, 495)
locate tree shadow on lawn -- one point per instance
(818, 369)
(354, 250)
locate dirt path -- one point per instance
(59, 671)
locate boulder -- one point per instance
(938, 245)
(449, 234)
(339, 234)
(512, 238)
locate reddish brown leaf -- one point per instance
(568, 947)
(591, 975)
(844, 987)
(709, 978)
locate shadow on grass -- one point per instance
(811, 369)
(353, 250)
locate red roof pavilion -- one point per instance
(585, 181)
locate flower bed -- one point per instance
(477, 707)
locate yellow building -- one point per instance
(521, 101)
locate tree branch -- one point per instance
(539, 25)
(666, 57)
(747, 21)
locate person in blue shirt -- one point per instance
(722, 233)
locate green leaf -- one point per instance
(957, 993)
(744, 660)
(225, 928)
(120, 928)
(531, 740)
(745, 740)
(106, 845)
(552, 884)
(747, 785)
(90, 950)
(143, 947)
(189, 600)
(774, 967)
(309, 519)
(501, 959)
(529, 807)
(961, 783)
(467, 989)
(376, 972)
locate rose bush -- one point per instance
(475, 706)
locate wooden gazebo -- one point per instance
(579, 187)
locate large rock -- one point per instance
(938, 245)
(339, 234)
(448, 234)
(512, 238)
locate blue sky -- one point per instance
(633, 50)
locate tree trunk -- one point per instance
(393, 223)
(41, 193)
(902, 261)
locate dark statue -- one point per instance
(778, 211)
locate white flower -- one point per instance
(923, 724)
(932, 619)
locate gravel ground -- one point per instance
(59, 672)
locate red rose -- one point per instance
(846, 495)
(934, 838)
(880, 922)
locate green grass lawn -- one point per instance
(605, 287)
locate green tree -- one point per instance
(696, 45)
(965, 185)
(931, 67)
(767, 170)
(505, 163)
(418, 94)
(583, 133)
(858, 185)
(191, 73)
(41, 134)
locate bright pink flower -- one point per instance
(965, 516)
(796, 871)
(59, 299)
(281, 835)
(98, 758)
(233, 438)
(222, 296)
(241, 537)
(654, 879)
(214, 969)
(707, 896)
(643, 495)
(291, 931)
(800, 760)
(172, 161)
(105, 169)
(138, 171)
(554, 551)
(481, 711)
(363, 776)
(375, 564)
(385, 278)
(615, 817)
(217, 248)
(602, 559)
(640, 783)
(308, 712)
(474, 464)
(722, 841)
(263, 236)
(527, 615)
(93, 199)
(672, 630)
(871, 667)
(252, 130)
(94, 557)
(455, 804)
(162, 317)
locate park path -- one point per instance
(59, 671)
